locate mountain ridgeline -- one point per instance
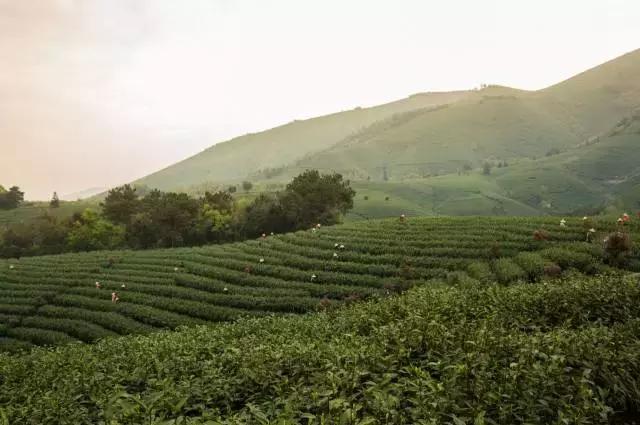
(569, 147)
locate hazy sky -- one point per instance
(99, 92)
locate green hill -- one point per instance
(499, 123)
(426, 135)
(54, 299)
(32, 210)
(280, 146)
(599, 175)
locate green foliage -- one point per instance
(121, 204)
(554, 353)
(247, 186)
(532, 263)
(90, 232)
(567, 258)
(174, 287)
(480, 271)
(313, 198)
(507, 270)
(11, 199)
(309, 199)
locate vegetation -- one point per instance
(10, 199)
(168, 219)
(563, 352)
(582, 131)
(55, 299)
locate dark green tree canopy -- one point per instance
(10, 199)
(120, 204)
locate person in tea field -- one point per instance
(98, 285)
(114, 297)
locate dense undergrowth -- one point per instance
(566, 351)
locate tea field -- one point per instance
(560, 352)
(54, 300)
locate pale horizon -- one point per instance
(96, 93)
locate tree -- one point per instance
(172, 215)
(10, 199)
(246, 186)
(232, 189)
(486, 169)
(91, 232)
(265, 214)
(220, 200)
(121, 204)
(312, 198)
(55, 201)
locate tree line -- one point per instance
(160, 219)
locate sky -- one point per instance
(96, 93)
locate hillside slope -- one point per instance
(54, 299)
(426, 134)
(498, 123)
(239, 157)
(585, 179)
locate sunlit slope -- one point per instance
(443, 140)
(498, 123)
(593, 101)
(283, 145)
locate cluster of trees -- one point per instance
(167, 219)
(10, 199)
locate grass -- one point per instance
(53, 300)
(31, 210)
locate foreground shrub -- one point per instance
(567, 258)
(533, 264)
(507, 270)
(556, 353)
(480, 271)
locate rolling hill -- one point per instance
(599, 176)
(428, 134)
(280, 146)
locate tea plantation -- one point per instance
(54, 300)
(561, 352)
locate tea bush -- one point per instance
(562, 352)
(283, 274)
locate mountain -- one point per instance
(280, 146)
(84, 194)
(497, 123)
(570, 147)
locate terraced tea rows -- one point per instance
(54, 299)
